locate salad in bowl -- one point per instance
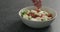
(37, 19)
(41, 15)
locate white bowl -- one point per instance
(38, 24)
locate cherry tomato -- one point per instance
(31, 14)
(49, 15)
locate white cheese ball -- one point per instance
(33, 11)
(46, 12)
(33, 19)
(41, 12)
(49, 18)
(45, 18)
(25, 16)
(28, 11)
(38, 19)
(29, 17)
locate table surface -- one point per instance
(10, 21)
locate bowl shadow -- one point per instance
(25, 28)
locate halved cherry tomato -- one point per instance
(31, 14)
(49, 15)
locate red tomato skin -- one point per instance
(49, 15)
